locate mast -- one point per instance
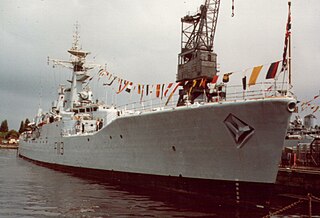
(76, 94)
(79, 70)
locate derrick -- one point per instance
(197, 63)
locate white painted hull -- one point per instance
(192, 142)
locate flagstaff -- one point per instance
(289, 32)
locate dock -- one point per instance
(11, 146)
(304, 179)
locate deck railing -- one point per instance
(228, 93)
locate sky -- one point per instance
(139, 40)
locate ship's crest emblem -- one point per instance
(240, 131)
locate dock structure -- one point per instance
(300, 179)
(300, 166)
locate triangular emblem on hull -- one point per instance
(240, 130)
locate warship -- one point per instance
(216, 140)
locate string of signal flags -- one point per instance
(309, 104)
(161, 90)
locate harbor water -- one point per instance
(29, 190)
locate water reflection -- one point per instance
(28, 190)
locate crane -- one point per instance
(197, 62)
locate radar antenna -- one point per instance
(77, 61)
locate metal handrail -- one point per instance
(232, 93)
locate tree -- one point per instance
(4, 126)
(12, 134)
(21, 129)
(26, 123)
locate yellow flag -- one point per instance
(254, 75)
(194, 83)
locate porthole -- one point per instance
(120, 136)
(88, 139)
(110, 137)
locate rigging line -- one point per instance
(285, 71)
(91, 79)
(54, 79)
(40, 92)
(247, 69)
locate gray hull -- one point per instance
(233, 141)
